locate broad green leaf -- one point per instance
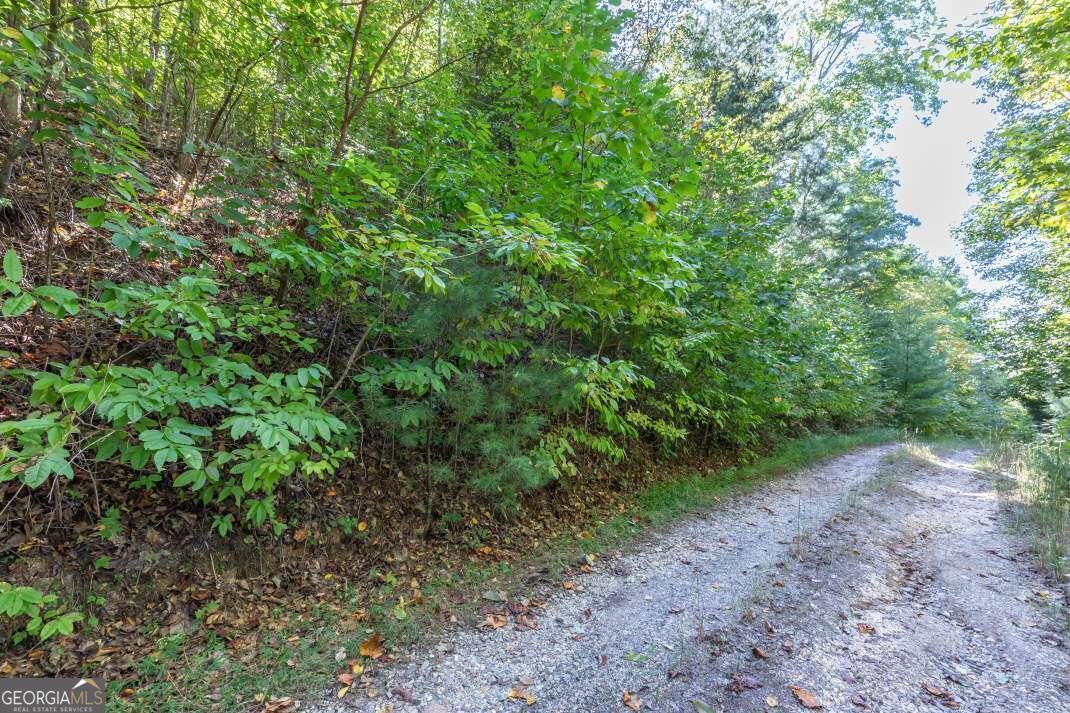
(12, 266)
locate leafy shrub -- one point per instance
(39, 617)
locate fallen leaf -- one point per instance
(946, 699)
(631, 700)
(301, 535)
(759, 653)
(343, 691)
(520, 694)
(571, 586)
(805, 697)
(771, 701)
(372, 647)
(787, 645)
(603, 660)
(404, 694)
(496, 621)
(346, 679)
(741, 682)
(524, 621)
(859, 700)
(864, 628)
(280, 705)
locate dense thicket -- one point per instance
(253, 240)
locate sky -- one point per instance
(934, 160)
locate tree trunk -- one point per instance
(11, 97)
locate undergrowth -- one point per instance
(300, 661)
(1037, 476)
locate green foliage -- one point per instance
(500, 253)
(35, 613)
(1019, 232)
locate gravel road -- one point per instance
(874, 582)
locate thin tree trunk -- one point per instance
(189, 110)
(11, 98)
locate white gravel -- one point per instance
(638, 618)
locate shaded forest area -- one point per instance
(307, 303)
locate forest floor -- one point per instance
(888, 579)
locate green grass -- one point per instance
(1036, 476)
(306, 667)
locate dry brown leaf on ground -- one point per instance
(280, 705)
(806, 698)
(864, 628)
(519, 694)
(495, 621)
(944, 696)
(758, 652)
(525, 621)
(742, 682)
(372, 647)
(631, 700)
